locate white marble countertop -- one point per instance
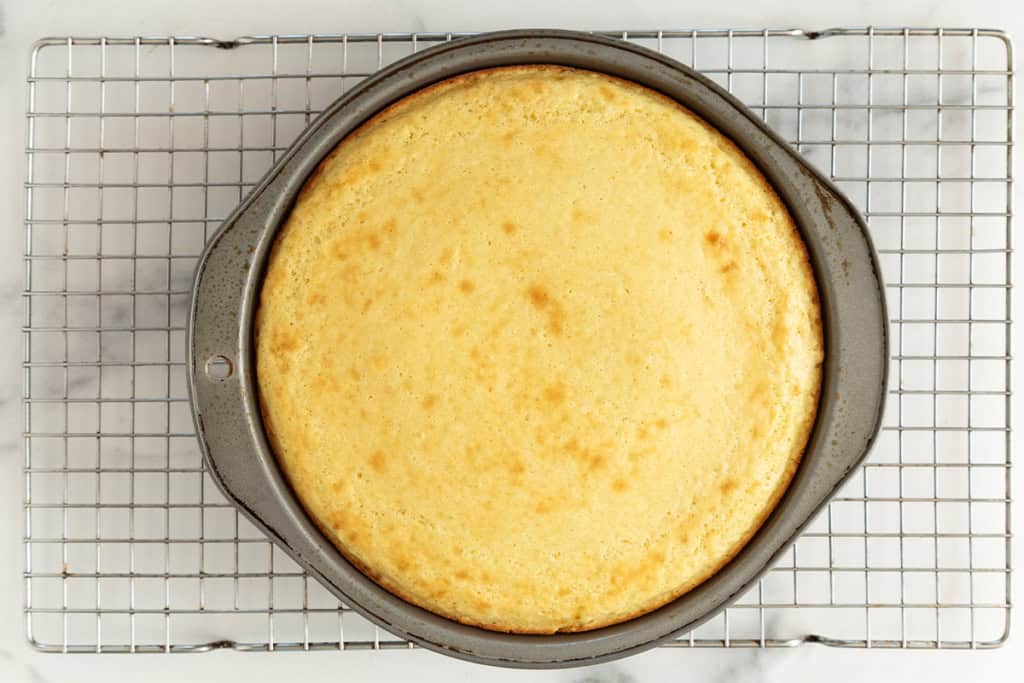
(21, 23)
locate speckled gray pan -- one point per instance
(222, 379)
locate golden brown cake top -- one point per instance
(538, 349)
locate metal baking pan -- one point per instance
(222, 380)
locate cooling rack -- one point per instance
(138, 147)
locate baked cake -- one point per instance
(538, 349)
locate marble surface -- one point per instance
(22, 23)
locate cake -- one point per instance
(538, 349)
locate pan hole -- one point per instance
(219, 367)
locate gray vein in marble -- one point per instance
(29, 672)
(117, 314)
(610, 673)
(741, 666)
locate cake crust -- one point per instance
(538, 349)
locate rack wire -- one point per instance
(138, 147)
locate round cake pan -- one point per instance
(222, 378)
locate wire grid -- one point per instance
(138, 148)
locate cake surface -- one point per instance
(538, 349)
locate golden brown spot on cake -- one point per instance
(509, 227)
(596, 462)
(283, 342)
(619, 485)
(606, 93)
(671, 139)
(430, 401)
(537, 86)
(554, 393)
(418, 196)
(539, 296)
(642, 432)
(375, 165)
(542, 300)
(458, 330)
(758, 216)
(466, 286)
(349, 177)
(509, 136)
(579, 215)
(339, 485)
(461, 574)
(379, 360)
(712, 237)
(665, 382)
(515, 93)
(378, 462)
(542, 508)
(563, 591)
(436, 277)
(345, 523)
(665, 235)
(348, 274)
(354, 374)
(367, 304)
(316, 299)
(556, 321)
(728, 486)
(660, 423)
(728, 267)
(373, 241)
(481, 605)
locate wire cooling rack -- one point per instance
(137, 148)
